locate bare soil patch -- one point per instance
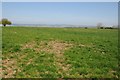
(9, 68)
(55, 47)
(50, 47)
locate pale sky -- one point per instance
(76, 13)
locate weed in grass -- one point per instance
(16, 48)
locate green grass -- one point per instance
(93, 53)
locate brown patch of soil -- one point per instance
(55, 47)
(29, 45)
(49, 47)
(8, 68)
(29, 61)
(58, 49)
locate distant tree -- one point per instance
(108, 27)
(115, 26)
(6, 22)
(86, 27)
(100, 26)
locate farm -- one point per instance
(41, 52)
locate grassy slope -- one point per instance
(96, 58)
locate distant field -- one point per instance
(59, 52)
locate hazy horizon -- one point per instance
(72, 13)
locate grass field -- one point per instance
(30, 52)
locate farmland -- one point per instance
(32, 52)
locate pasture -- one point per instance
(32, 52)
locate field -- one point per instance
(31, 52)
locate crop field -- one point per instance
(32, 52)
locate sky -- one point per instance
(75, 13)
(60, 0)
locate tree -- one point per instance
(100, 26)
(115, 26)
(86, 27)
(6, 22)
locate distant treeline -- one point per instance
(107, 28)
(94, 27)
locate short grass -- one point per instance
(92, 53)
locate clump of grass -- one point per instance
(16, 48)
